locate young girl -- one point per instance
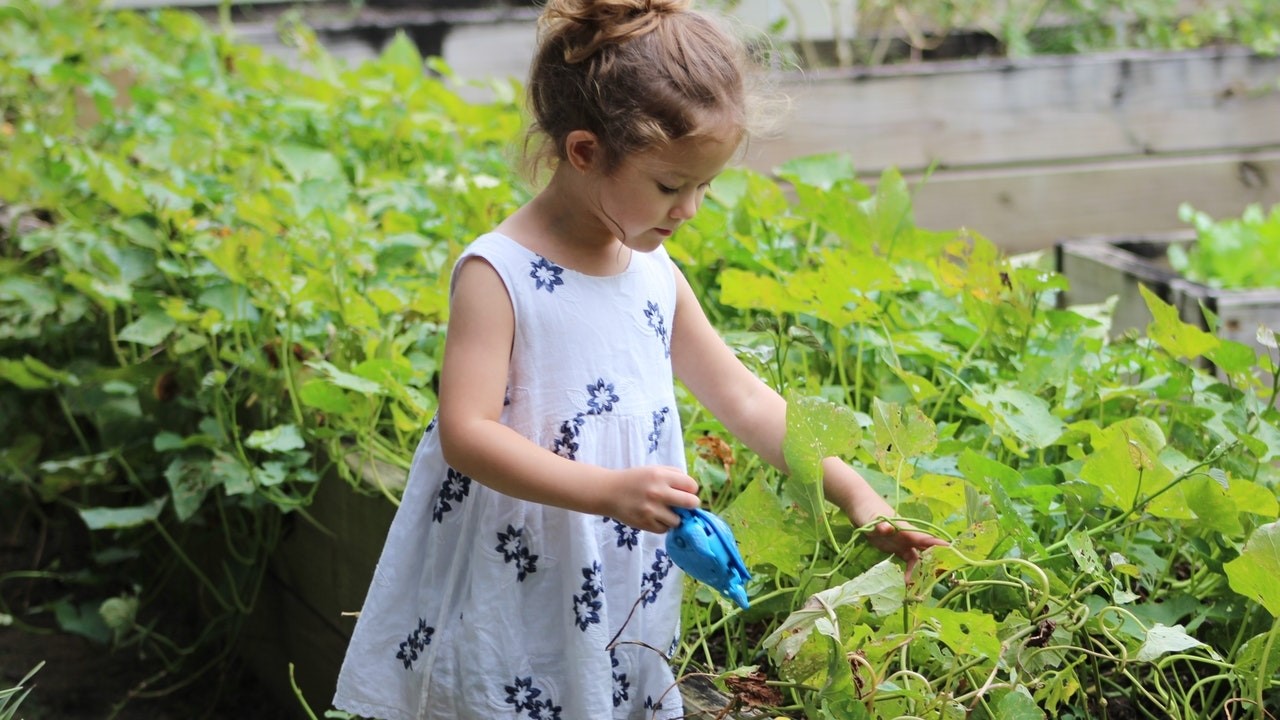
(524, 575)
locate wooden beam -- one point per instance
(965, 113)
(1026, 208)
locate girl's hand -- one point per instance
(642, 497)
(897, 538)
(903, 541)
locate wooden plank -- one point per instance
(982, 112)
(1098, 268)
(1031, 208)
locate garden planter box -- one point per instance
(1099, 267)
(319, 572)
(1029, 151)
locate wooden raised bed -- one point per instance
(1023, 151)
(1100, 267)
(1027, 152)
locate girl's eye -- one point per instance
(667, 190)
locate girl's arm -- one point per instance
(756, 414)
(473, 385)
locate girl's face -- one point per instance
(651, 193)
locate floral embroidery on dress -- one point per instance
(417, 641)
(601, 401)
(653, 314)
(546, 274)
(432, 425)
(523, 696)
(602, 397)
(511, 545)
(651, 582)
(567, 444)
(621, 687)
(651, 704)
(455, 487)
(586, 607)
(628, 537)
(659, 418)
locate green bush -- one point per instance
(223, 279)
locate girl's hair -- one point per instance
(638, 74)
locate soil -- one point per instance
(85, 680)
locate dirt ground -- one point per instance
(85, 680)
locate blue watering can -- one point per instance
(703, 546)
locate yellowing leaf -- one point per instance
(1178, 338)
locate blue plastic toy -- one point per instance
(703, 546)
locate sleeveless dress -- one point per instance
(485, 606)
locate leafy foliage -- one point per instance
(1103, 497)
(223, 279)
(1232, 253)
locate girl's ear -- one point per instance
(582, 150)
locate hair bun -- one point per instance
(587, 25)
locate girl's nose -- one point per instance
(687, 206)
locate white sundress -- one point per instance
(484, 606)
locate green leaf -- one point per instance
(281, 438)
(994, 479)
(189, 481)
(821, 171)
(816, 429)
(1254, 573)
(304, 163)
(82, 619)
(966, 633)
(231, 474)
(768, 530)
(150, 330)
(1178, 338)
(883, 585)
(749, 291)
(104, 518)
(1018, 704)
(901, 434)
(1024, 416)
(324, 396)
(346, 380)
(1163, 639)
(1126, 468)
(17, 372)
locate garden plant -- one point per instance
(224, 280)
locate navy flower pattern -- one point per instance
(566, 445)
(600, 401)
(659, 419)
(628, 537)
(651, 582)
(653, 314)
(524, 697)
(455, 487)
(602, 397)
(546, 274)
(587, 605)
(621, 686)
(415, 643)
(514, 551)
